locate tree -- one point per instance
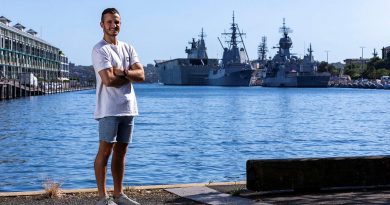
(353, 71)
(333, 70)
(323, 67)
(382, 72)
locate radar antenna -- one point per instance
(233, 35)
(285, 30)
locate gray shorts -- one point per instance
(116, 129)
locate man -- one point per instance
(116, 65)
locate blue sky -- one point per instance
(161, 29)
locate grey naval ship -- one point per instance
(235, 68)
(193, 70)
(287, 70)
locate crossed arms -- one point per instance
(116, 77)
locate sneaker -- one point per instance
(124, 200)
(106, 201)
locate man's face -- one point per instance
(111, 24)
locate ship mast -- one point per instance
(285, 30)
(233, 35)
(285, 42)
(233, 42)
(262, 49)
(202, 46)
(310, 52)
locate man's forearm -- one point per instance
(135, 75)
(119, 81)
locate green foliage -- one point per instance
(376, 68)
(381, 72)
(353, 71)
(325, 67)
(333, 70)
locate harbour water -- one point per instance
(189, 134)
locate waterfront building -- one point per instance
(151, 73)
(350, 61)
(385, 52)
(23, 52)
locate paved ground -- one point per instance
(358, 196)
(221, 192)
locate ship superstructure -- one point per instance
(235, 68)
(287, 70)
(193, 70)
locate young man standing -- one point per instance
(116, 65)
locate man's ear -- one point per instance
(101, 24)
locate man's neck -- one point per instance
(111, 39)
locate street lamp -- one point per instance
(327, 52)
(362, 47)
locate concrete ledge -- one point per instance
(317, 173)
(31, 193)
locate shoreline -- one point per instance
(110, 189)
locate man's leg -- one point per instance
(100, 166)
(118, 166)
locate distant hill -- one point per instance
(87, 74)
(81, 73)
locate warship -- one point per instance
(235, 68)
(193, 70)
(287, 70)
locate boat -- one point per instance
(193, 70)
(287, 70)
(235, 68)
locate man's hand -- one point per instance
(118, 72)
(136, 73)
(111, 79)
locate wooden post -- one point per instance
(14, 90)
(1, 91)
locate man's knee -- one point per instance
(120, 148)
(105, 149)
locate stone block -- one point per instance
(317, 173)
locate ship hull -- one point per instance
(305, 81)
(313, 81)
(231, 78)
(179, 72)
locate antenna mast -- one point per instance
(262, 49)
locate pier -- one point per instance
(13, 88)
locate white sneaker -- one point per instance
(106, 201)
(124, 200)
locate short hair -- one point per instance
(109, 10)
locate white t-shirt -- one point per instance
(111, 101)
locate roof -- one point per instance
(19, 26)
(3, 19)
(32, 32)
(25, 34)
